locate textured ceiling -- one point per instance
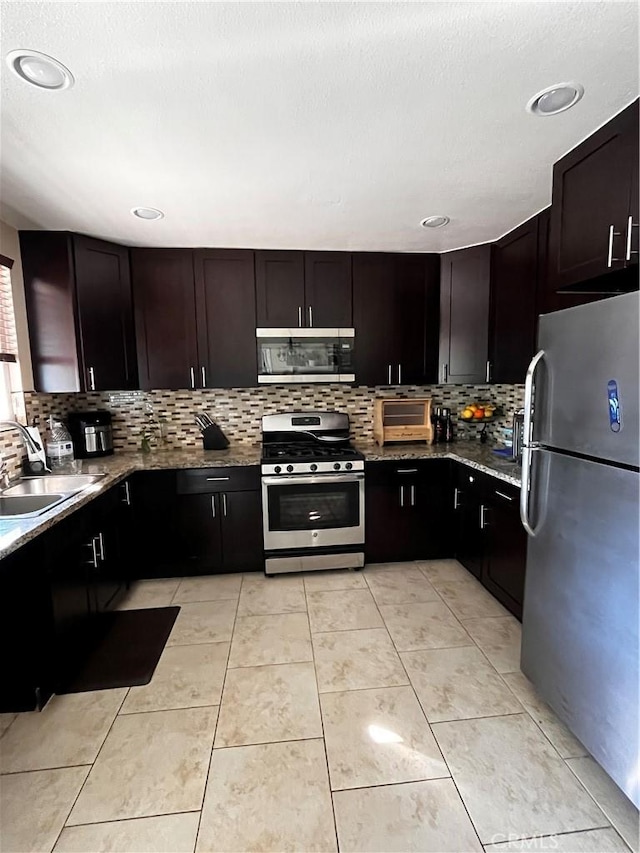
(303, 125)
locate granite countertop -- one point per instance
(18, 531)
(471, 453)
(15, 532)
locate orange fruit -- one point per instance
(479, 413)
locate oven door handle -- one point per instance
(322, 478)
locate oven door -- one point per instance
(313, 512)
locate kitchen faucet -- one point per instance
(29, 441)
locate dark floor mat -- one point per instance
(128, 651)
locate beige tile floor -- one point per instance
(381, 710)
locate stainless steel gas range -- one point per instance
(312, 493)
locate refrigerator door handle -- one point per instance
(527, 454)
(528, 445)
(529, 383)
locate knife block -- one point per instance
(214, 439)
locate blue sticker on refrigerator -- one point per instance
(615, 420)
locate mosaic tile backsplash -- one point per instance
(238, 411)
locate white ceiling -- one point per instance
(303, 125)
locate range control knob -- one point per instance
(289, 468)
(313, 467)
(277, 469)
(336, 466)
(348, 466)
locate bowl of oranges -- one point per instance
(478, 412)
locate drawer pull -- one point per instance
(217, 479)
(506, 497)
(406, 471)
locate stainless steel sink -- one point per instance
(52, 484)
(23, 506)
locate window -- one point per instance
(9, 370)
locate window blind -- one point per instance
(8, 340)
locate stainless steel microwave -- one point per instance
(305, 355)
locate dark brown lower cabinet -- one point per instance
(506, 552)
(149, 537)
(220, 533)
(25, 630)
(434, 509)
(54, 590)
(86, 575)
(468, 540)
(406, 517)
(488, 538)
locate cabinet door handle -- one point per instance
(506, 497)
(94, 553)
(217, 479)
(203, 371)
(413, 495)
(224, 505)
(488, 373)
(213, 505)
(456, 495)
(612, 233)
(401, 495)
(630, 226)
(310, 317)
(299, 316)
(445, 371)
(127, 494)
(399, 374)
(92, 379)
(483, 522)
(389, 382)
(101, 543)
(406, 470)
(192, 373)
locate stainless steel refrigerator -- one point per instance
(580, 507)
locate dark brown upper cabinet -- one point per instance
(594, 212)
(464, 315)
(78, 296)
(226, 318)
(165, 314)
(280, 289)
(304, 289)
(515, 268)
(328, 292)
(395, 315)
(373, 317)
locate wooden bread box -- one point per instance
(402, 420)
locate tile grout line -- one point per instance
(129, 819)
(524, 711)
(600, 807)
(15, 717)
(554, 834)
(41, 770)
(324, 739)
(93, 763)
(446, 763)
(215, 728)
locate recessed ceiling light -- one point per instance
(435, 221)
(555, 99)
(40, 70)
(148, 213)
